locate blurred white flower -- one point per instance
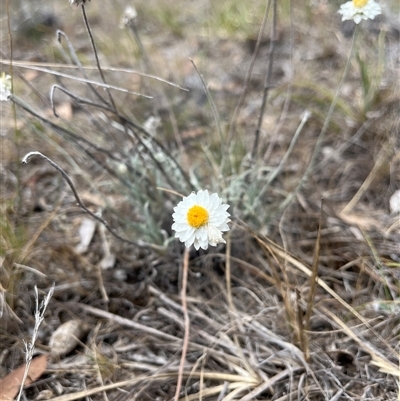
(5, 87)
(77, 2)
(200, 219)
(129, 17)
(358, 10)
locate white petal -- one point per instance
(190, 232)
(201, 233)
(214, 201)
(223, 227)
(204, 244)
(188, 244)
(179, 226)
(189, 240)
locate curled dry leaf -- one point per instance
(9, 385)
(67, 337)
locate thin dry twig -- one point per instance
(37, 66)
(74, 97)
(78, 79)
(76, 60)
(138, 243)
(86, 21)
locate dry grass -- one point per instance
(302, 302)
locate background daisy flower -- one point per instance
(358, 10)
(200, 219)
(5, 87)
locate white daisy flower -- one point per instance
(5, 87)
(358, 10)
(200, 219)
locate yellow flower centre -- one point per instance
(197, 216)
(360, 3)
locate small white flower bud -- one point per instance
(129, 17)
(78, 2)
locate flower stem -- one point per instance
(324, 129)
(186, 320)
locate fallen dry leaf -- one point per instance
(9, 385)
(67, 337)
